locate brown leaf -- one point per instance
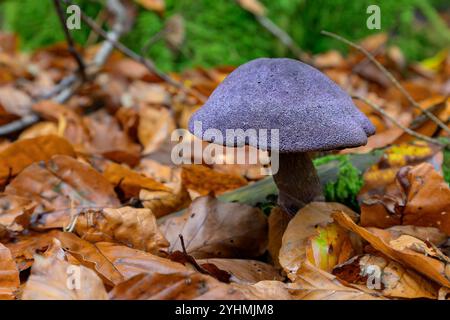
(162, 203)
(278, 221)
(90, 256)
(390, 278)
(60, 184)
(131, 262)
(49, 280)
(9, 275)
(130, 182)
(204, 180)
(133, 227)
(245, 271)
(175, 286)
(312, 236)
(214, 229)
(15, 211)
(315, 284)
(423, 200)
(14, 101)
(431, 266)
(23, 153)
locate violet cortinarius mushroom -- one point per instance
(311, 112)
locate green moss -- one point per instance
(347, 184)
(221, 33)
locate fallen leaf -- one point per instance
(136, 228)
(388, 277)
(9, 275)
(131, 262)
(204, 180)
(312, 236)
(60, 184)
(245, 271)
(90, 256)
(50, 280)
(432, 267)
(162, 203)
(278, 221)
(313, 283)
(130, 182)
(15, 211)
(214, 229)
(175, 286)
(23, 153)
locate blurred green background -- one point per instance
(220, 32)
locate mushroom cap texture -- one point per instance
(311, 111)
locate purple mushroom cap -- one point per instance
(310, 111)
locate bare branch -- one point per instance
(398, 124)
(70, 43)
(390, 77)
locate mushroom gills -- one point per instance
(297, 181)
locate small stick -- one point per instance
(390, 77)
(398, 124)
(69, 39)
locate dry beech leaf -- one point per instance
(165, 202)
(131, 262)
(130, 182)
(312, 236)
(422, 198)
(204, 180)
(175, 286)
(428, 234)
(9, 275)
(23, 153)
(390, 278)
(278, 221)
(136, 228)
(214, 229)
(90, 256)
(155, 127)
(265, 290)
(15, 211)
(59, 185)
(315, 284)
(434, 267)
(43, 128)
(245, 271)
(49, 281)
(14, 101)
(25, 247)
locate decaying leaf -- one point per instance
(133, 227)
(422, 198)
(9, 275)
(50, 280)
(312, 236)
(90, 256)
(59, 185)
(165, 202)
(388, 277)
(278, 221)
(15, 211)
(23, 153)
(174, 286)
(130, 182)
(214, 229)
(432, 266)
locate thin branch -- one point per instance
(70, 43)
(398, 124)
(390, 77)
(133, 55)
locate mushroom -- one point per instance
(311, 112)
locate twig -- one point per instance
(68, 86)
(398, 124)
(69, 39)
(284, 38)
(133, 55)
(390, 77)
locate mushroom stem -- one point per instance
(297, 182)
